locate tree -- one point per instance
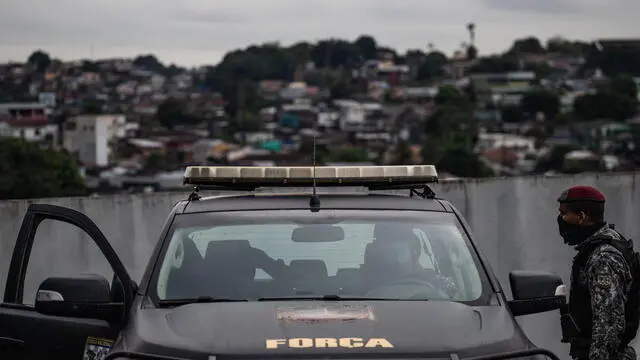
(495, 64)
(471, 28)
(367, 46)
(540, 100)
(451, 135)
(432, 66)
(554, 160)
(173, 112)
(30, 172)
(624, 85)
(605, 104)
(528, 45)
(558, 44)
(148, 62)
(40, 60)
(462, 162)
(90, 66)
(472, 52)
(154, 163)
(340, 90)
(348, 154)
(614, 57)
(511, 113)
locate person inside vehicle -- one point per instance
(238, 261)
(394, 258)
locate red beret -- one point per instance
(581, 193)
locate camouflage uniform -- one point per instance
(607, 277)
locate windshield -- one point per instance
(258, 255)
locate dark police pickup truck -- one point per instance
(270, 275)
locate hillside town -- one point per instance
(134, 124)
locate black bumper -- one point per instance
(501, 356)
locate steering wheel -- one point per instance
(416, 282)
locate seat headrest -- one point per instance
(375, 250)
(230, 256)
(220, 248)
(309, 267)
(378, 251)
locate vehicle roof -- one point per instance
(301, 201)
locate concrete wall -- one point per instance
(513, 221)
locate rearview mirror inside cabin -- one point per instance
(318, 233)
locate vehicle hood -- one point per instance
(317, 327)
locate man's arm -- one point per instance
(606, 280)
(273, 267)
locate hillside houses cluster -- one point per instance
(108, 107)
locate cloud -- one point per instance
(201, 31)
(548, 7)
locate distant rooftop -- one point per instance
(4, 107)
(630, 42)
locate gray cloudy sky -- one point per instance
(194, 32)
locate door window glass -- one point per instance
(61, 249)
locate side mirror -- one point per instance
(536, 292)
(86, 296)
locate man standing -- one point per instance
(602, 302)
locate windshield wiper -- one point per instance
(200, 299)
(327, 297)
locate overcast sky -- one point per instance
(195, 32)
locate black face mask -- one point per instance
(572, 234)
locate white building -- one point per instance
(29, 121)
(90, 136)
(30, 130)
(352, 114)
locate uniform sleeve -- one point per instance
(606, 280)
(273, 267)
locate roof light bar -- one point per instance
(259, 176)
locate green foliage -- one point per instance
(31, 172)
(564, 46)
(495, 64)
(154, 163)
(576, 166)
(615, 58)
(39, 60)
(624, 85)
(347, 154)
(451, 135)
(151, 63)
(543, 101)
(617, 100)
(431, 66)
(173, 112)
(528, 45)
(554, 160)
(462, 162)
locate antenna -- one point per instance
(314, 203)
(314, 163)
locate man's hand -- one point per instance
(273, 267)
